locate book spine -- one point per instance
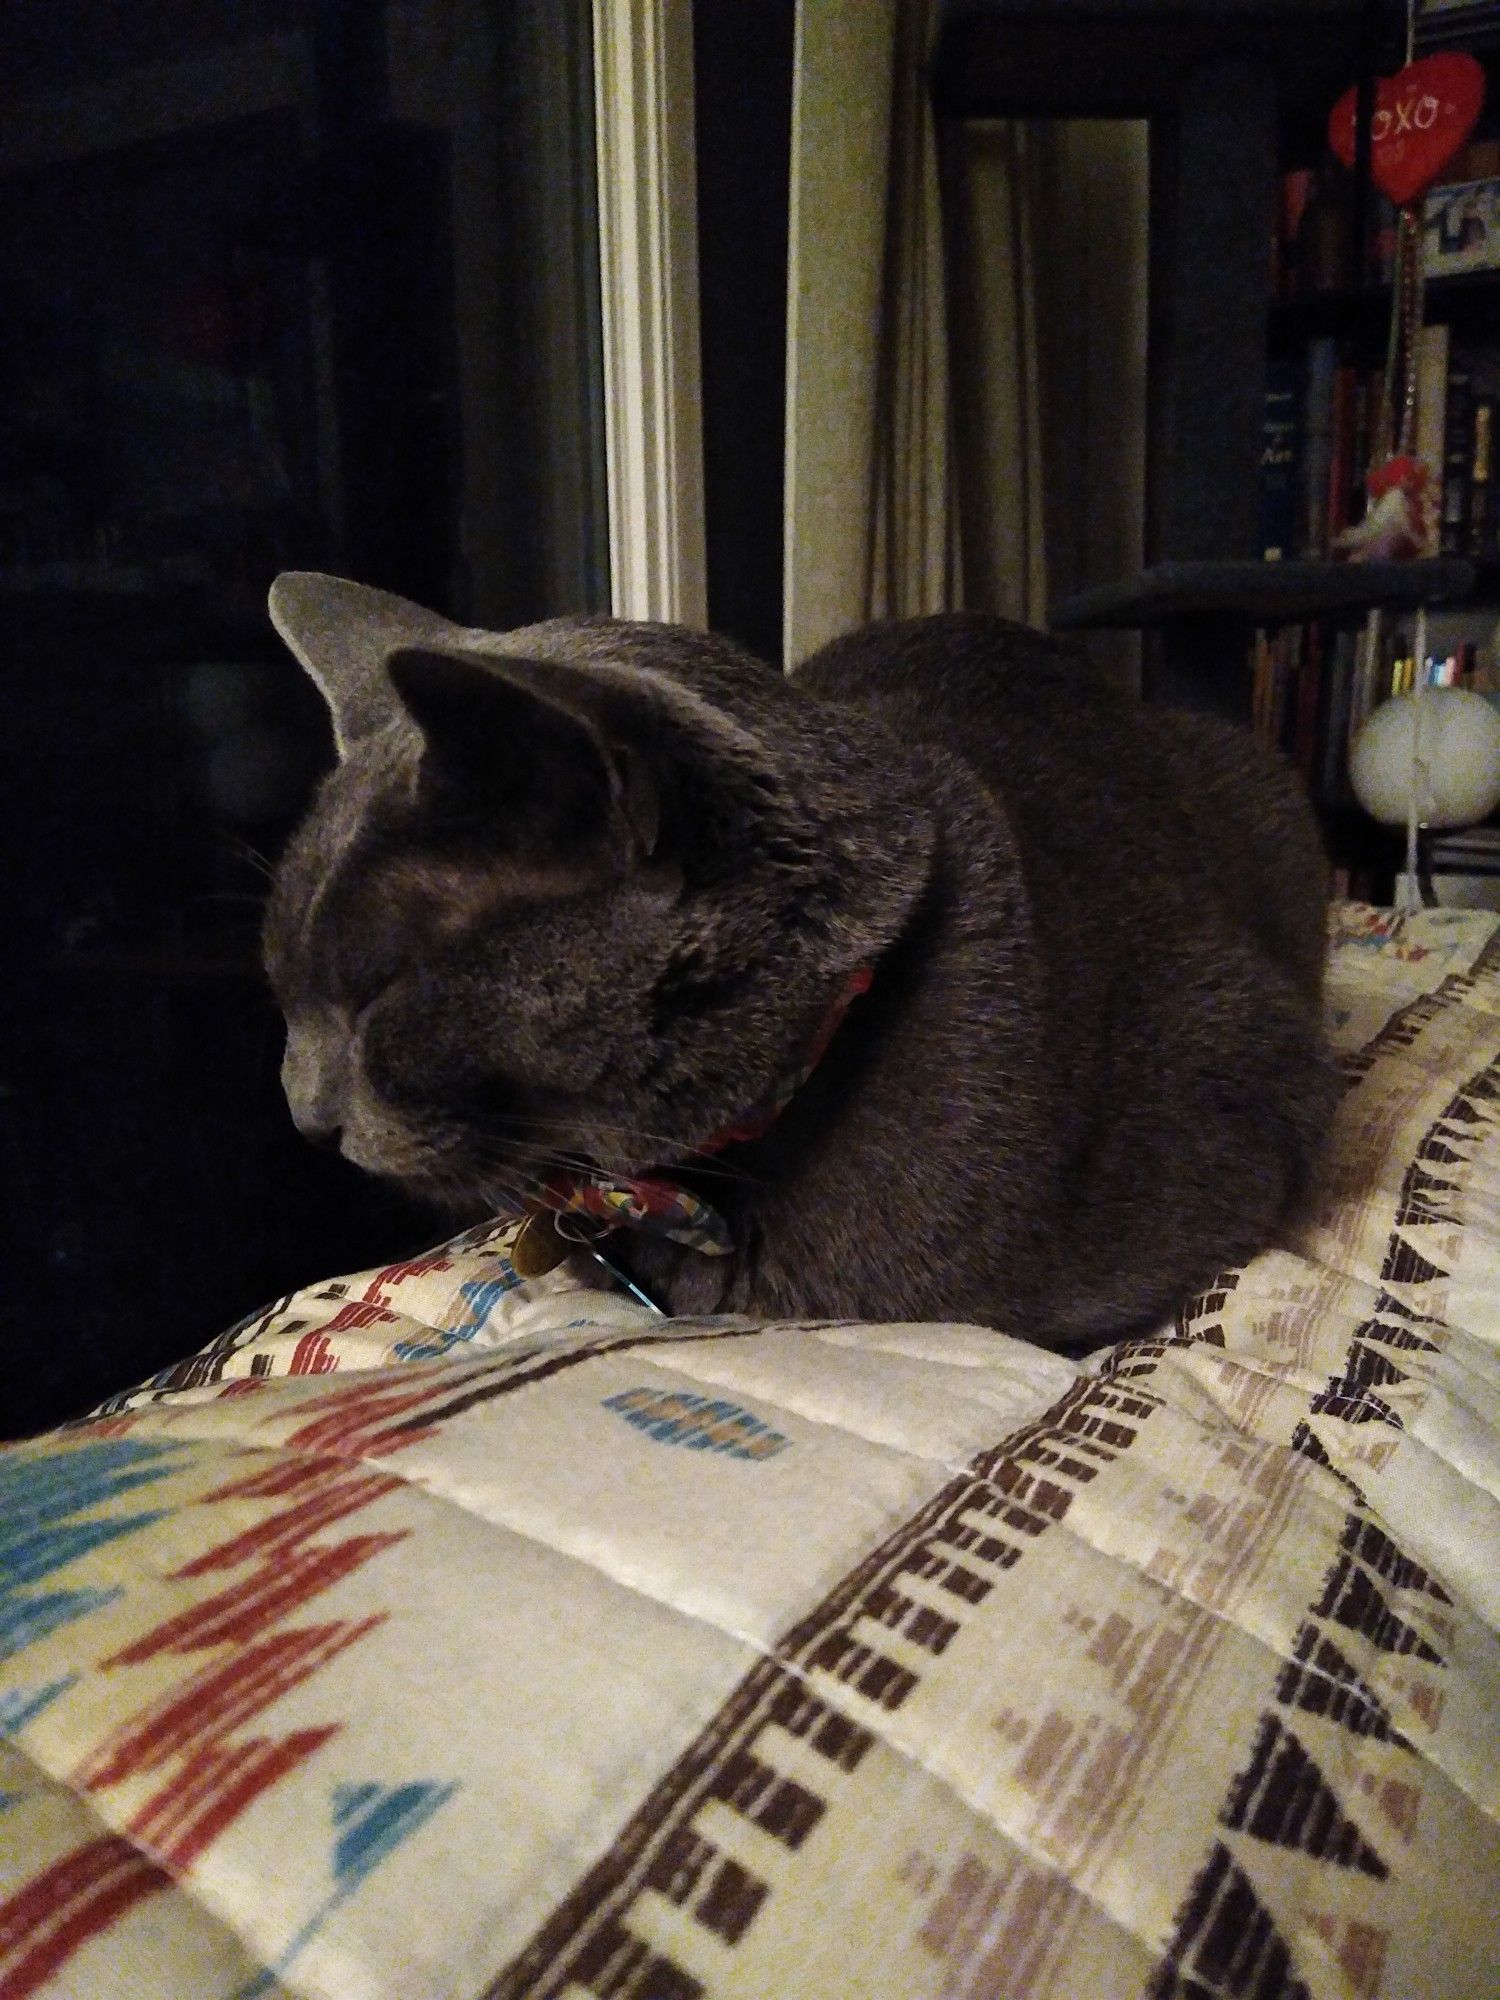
(1481, 496)
(1366, 409)
(1280, 455)
(1309, 699)
(1291, 204)
(1341, 451)
(1336, 722)
(1288, 684)
(1260, 681)
(1276, 695)
(1458, 435)
(1432, 392)
(1317, 451)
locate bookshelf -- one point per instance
(1327, 331)
(1216, 80)
(1237, 94)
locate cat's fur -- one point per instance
(585, 891)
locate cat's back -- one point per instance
(1000, 698)
(1182, 819)
(1005, 700)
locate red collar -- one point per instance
(759, 1119)
(658, 1205)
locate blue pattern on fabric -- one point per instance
(374, 1820)
(481, 1295)
(18, 1706)
(40, 1492)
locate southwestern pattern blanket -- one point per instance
(440, 1634)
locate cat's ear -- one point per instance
(510, 739)
(343, 633)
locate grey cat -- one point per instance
(584, 892)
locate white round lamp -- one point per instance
(1446, 741)
(1429, 759)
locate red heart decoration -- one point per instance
(1423, 114)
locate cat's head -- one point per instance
(574, 893)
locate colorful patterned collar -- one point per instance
(656, 1205)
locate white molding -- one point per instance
(648, 255)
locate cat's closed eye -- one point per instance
(361, 977)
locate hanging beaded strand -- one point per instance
(1398, 427)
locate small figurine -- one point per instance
(1398, 519)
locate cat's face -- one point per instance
(553, 907)
(461, 1016)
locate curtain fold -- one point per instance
(841, 132)
(991, 175)
(966, 344)
(914, 556)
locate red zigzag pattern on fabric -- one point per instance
(211, 1777)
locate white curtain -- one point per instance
(965, 417)
(991, 172)
(869, 514)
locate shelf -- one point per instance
(1468, 301)
(1263, 593)
(1473, 27)
(1126, 58)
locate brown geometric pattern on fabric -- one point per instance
(1322, 1680)
(1405, 1026)
(1404, 1029)
(978, 1526)
(1286, 1795)
(1225, 1943)
(1228, 1943)
(1429, 1208)
(1282, 1797)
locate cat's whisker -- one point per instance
(567, 1162)
(534, 1127)
(242, 850)
(673, 1147)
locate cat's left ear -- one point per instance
(513, 740)
(343, 633)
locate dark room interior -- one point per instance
(290, 284)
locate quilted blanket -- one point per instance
(437, 1635)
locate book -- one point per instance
(1480, 534)
(1368, 388)
(1280, 453)
(1317, 445)
(1291, 199)
(1346, 388)
(1458, 442)
(1309, 699)
(1461, 228)
(1333, 776)
(1260, 649)
(1380, 246)
(1433, 344)
(1472, 852)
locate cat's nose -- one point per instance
(319, 1132)
(311, 1080)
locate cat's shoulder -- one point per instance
(959, 638)
(680, 653)
(951, 671)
